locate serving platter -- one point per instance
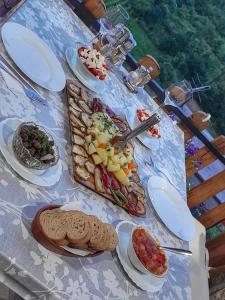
(82, 103)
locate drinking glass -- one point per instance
(137, 78)
(116, 44)
(113, 16)
(148, 69)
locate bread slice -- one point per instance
(53, 225)
(113, 238)
(78, 229)
(98, 233)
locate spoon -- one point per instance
(176, 250)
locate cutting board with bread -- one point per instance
(97, 164)
(59, 230)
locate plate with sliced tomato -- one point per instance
(151, 137)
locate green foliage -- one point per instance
(187, 37)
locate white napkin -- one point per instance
(12, 84)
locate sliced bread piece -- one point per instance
(78, 229)
(53, 225)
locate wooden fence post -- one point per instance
(206, 189)
(205, 156)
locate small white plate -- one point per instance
(146, 282)
(32, 55)
(171, 208)
(44, 178)
(145, 138)
(77, 68)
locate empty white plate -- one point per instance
(45, 178)
(32, 55)
(171, 208)
(83, 75)
(146, 282)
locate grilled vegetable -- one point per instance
(121, 196)
(116, 198)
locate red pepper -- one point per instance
(105, 177)
(114, 184)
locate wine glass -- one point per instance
(180, 93)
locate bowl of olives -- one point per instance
(34, 147)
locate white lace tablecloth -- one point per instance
(22, 259)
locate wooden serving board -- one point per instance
(80, 106)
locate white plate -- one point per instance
(145, 138)
(77, 68)
(44, 178)
(32, 55)
(171, 208)
(146, 282)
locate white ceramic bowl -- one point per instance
(136, 261)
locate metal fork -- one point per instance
(121, 141)
(30, 93)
